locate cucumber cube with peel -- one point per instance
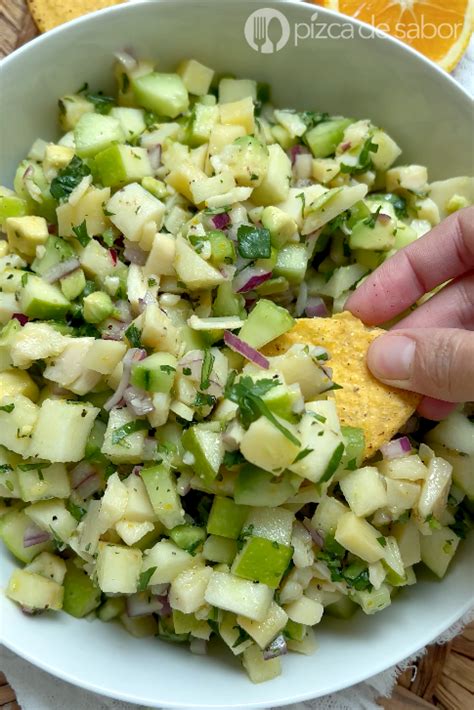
(165, 94)
(39, 299)
(292, 262)
(94, 132)
(325, 137)
(155, 373)
(81, 596)
(377, 234)
(188, 537)
(266, 322)
(262, 560)
(226, 518)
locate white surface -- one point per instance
(431, 118)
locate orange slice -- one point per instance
(439, 29)
(51, 13)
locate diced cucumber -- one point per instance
(227, 302)
(226, 518)
(255, 487)
(438, 550)
(132, 121)
(81, 596)
(292, 262)
(161, 487)
(73, 284)
(373, 601)
(120, 164)
(262, 560)
(188, 624)
(165, 94)
(354, 443)
(155, 373)
(141, 626)
(207, 448)
(42, 300)
(266, 322)
(11, 205)
(188, 537)
(325, 137)
(375, 233)
(128, 450)
(94, 132)
(13, 527)
(56, 251)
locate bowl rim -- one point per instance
(434, 631)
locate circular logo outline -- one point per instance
(256, 30)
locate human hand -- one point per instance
(431, 351)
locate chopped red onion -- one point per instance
(227, 271)
(302, 300)
(276, 648)
(315, 536)
(243, 348)
(31, 187)
(166, 609)
(143, 604)
(52, 229)
(139, 403)
(249, 278)
(345, 146)
(160, 590)
(316, 308)
(396, 448)
(114, 330)
(21, 318)
(85, 480)
(35, 536)
(61, 270)
(221, 221)
(131, 356)
(134, 254)
(113, 256)
(137, 470)
(126, 60)
(297, 150)
(154, 155)
(383, 218)
(198, 647)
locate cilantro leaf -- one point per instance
(254, 242)
(303, 454)
(168, 369)
(243, 636)
(68, 178)
(248, 395)
(5, 468)
(372, 220)
(120, 434)
(82, 234)
(364, 162)
(232, 458)
(108, 237)
(8, 408)
(144, 578)
(382, 541)
(102, 103)
(398, 203)
(133, 336)
(206, 369)
(312, 118)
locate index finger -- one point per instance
(446, 252)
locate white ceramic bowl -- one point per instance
(430, 116)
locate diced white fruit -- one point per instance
(161, 258)
(113, 503)
(194, 271)
(407, 536)
(401, 495)
(53, 482)
(118, 453)
(183, 175)
(323, 444)
(104, 355)
(161, 403)
(407, 177)
(377, 574)
(86, 381)
(339, 200)
(138, 508)
(132, 207)
(327, 515)
(302, 544)
(438, 549)
(237, 194)
(427, 209)
(69, 365)
(17, 425)
(267, 447)
(393, 558)
(265, 631)
(141, 626)
(364, 490)
(260, 670)
(33, 591)
(196, 77)
(443, 191)
(238, 113)
(387, 153)
(456, 432)
(24, 234)
(168, 560)
(89, 531)
(202, 190)
(118, 568)
(131, 532)
(49, 566)
(62, 430)
(305, 611)
(52, 516)
(409, 468)
(298, 367)
(435, 489)
(292, 122)
(246, 598)
(36, 341)
(374, 600)
(307, 646)
(8, 306)
(275, 186)
(463, 467)
(159, 332)
(188, 589)
(275, 524)
(325, 169)
(326, 408)
(89, 209)
(359, 537)
(9, 484)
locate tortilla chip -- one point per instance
(51, 13)
(363, 401)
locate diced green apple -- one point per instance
(120, 164)
(161, 487)
(39, 299)
(94, 132)
(226, 518)
(266, 322)
(165, 94)
(33, 591)
(207, 449)
(81, 596)
(250, 599)
(262, 560)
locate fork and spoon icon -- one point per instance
(265, 40)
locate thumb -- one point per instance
(437, 362)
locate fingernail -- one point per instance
(391, 358)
